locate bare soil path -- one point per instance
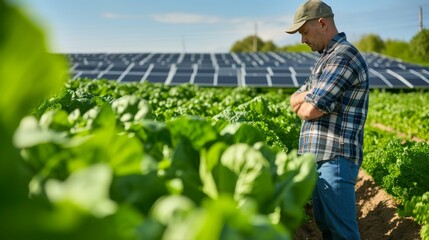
(377, 217)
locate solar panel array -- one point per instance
(234, 69)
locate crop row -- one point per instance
(396, 166)
(141, 161)
(397, 163)
(183, 161)
(404, 112)
(400, 167)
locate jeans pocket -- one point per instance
(349, 169)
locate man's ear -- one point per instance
(322, 23)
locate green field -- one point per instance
(92, 159)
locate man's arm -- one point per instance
(296, 100)
(305, 110)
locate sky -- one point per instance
(124, 26)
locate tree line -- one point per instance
(416, 50)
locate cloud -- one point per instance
(269, 28)
(235, 28)
(112, 15)
(185, 18)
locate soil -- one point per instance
(399, 134)
(377, 216)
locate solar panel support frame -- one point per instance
(400, 78)
(125, 72)
(171, 73)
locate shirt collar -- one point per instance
(334, 42)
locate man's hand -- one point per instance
(296, 100)
(305, 110)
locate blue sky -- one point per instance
(79, 26)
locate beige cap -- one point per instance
(312, 9)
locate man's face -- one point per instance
(311, 34)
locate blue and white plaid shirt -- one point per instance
(339, 87)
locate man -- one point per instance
(333, 105)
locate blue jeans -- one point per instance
(334, 200)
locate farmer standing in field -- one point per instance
(333, 105)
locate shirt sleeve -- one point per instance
(302, 88)
(336, 77)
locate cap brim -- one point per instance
(295, 27)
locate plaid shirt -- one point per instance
(339, 87)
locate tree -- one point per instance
(269, 47)
(397, 49)
(370, 43)
(246, 45)
(419, 45)
(298, 47)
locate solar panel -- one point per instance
(256, 80)
(257, 70)
(161, 69)
(376, 80)
(282, 81)
(227, 81)
(268, 69)
(300, 79)
(280, 70)
(157, 77)
(206, 70)
(204, 79)
(392, 77)
(412, 79)
(131, 78)
(86, 68)
(88, 75)
(120, 68)
(180, 79)
(111, 76)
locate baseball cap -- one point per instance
(312, 9)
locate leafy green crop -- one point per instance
(28, 73)
(401, 168)
(418, 208)
(280, 126)
(139, 161)
(147, 161)
(406, 113)
(268, 110)
(133, 145)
